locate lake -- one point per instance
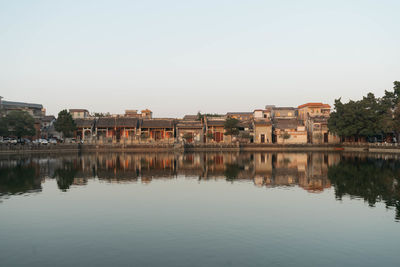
(200, 209)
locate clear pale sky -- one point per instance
(179, 57)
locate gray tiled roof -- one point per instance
(106, 122)
(286, 123)
(189, 124)
(84, 123)
(127, 122)
(215, 123)
(167, 123)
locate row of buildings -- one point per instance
(307, 123)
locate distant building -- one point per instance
(289, 131)
(262, 114)
(315, 118)
(262, 132)
(159, 130)
(190, 131)
(190, 117)
(79, 113)
(313, 110)
(215, 130)
(243, 116)
(283, 112)
(35, 110)
(133, 113)
(147, 114)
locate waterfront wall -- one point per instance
(373, 148)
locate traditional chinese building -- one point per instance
(262, 132)
(84, 128)
(159, 130)
(190, 131)
(215, 131)
(79, 113)
(289, 131)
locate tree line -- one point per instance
(369, 117)
(19, 123)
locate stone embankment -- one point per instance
(152, 147)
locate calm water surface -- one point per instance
(202, 209)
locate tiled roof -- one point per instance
(284, 108)
(286, 124)
(126, 122)
(48, 118)
(315, 104)
(189, 124)
(262, 122)
(240, 113)
(215, 123)
(169, 123)
(84, 122)
(78, 110)
(190, 117)
(106, 122)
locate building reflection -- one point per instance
(306, 170)
(371, 177)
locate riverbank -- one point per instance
(65, 148)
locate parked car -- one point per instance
(43, 142)
(53, 141)
(36, 142)
(12, 141)
(23, 141)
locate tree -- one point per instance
(19, 123)
(231, 127)
(284, 135)
(3, 126)
(101, 114)
(367, 117)
(188, 137)
(65, 175)
(65, 124)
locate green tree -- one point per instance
(188, 137)
(65, 175)
(284, 135)
(65, 124)
(20, 123)
(231, 127)
(374, 180)
(3, 126)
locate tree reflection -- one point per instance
(231, 171)
(65, 175)
(372, 179)
(19, 179)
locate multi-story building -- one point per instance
(315, 118)
(79, 113)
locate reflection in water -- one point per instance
(20, 177)
(373, 179)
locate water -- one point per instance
(201, 209)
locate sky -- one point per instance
(181, 57)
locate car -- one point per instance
(36, 142)
(23, 141)
(12, 141)
(52, 141)
(43, 142)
